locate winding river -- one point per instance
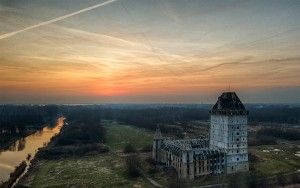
(23, 147)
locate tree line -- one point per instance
(83, 134)
(149, 116)
(280, 132)
(16, 120)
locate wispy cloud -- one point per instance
(7, 35)
(104, 52)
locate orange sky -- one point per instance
(172, 54)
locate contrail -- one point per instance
(7, 35)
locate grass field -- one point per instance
(119, 135)
(276, 159)
(104, 170)
(108, 170)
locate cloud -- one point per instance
(7, 35)
(103, 54)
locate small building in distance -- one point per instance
(226, 150)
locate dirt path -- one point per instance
(152, 181)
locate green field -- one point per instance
(104, 170)
(108, 170)
(276, 159)
(118, 135)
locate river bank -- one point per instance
(15, 175)
(7, 140)
(24, 149)
(94, 168)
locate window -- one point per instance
(237, 127)
(237, 133)
(237, 159)
(237, 139)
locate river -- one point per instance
(20, 150)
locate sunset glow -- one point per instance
(142, 51)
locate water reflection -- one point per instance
(20, 150)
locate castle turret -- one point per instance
(228, 131)
(187, 156)
(157, 141)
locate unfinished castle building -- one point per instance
(225, 152)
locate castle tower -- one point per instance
(187, 157)
(157, 140)
(228, 131)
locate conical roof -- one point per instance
(229, 104)
(157, 134)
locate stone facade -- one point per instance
(225, 151)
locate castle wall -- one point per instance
(218, 132)
(237, 153)
(229, 132)
(156, 151)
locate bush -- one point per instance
(150, 161)
(147, 148)
(281, 179)
(295, 178)
(72, 150)
(253, 158)
(129, 148)
(81, 133)
(152, 170)
(133, 164)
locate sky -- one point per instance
(149, 51)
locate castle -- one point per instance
(226, 150)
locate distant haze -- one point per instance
(149, 51)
